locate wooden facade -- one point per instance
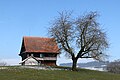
(39, 51)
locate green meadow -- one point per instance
(18, 73)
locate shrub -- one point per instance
(114, 67)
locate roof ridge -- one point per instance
(36, 37)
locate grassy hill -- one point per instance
(17, 73)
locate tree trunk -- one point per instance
(74, 64)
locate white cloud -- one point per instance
(65, 60)
(14, 61)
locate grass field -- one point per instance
(17, 73)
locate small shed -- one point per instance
(30, 61)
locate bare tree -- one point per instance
(79, 38)
(2, 63)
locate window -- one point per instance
(31, 54)
(41, 55)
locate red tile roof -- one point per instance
(39, 44)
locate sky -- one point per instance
(20, 18)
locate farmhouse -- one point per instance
(39, 51)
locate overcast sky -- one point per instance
(20, 18)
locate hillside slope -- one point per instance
(18, 73)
